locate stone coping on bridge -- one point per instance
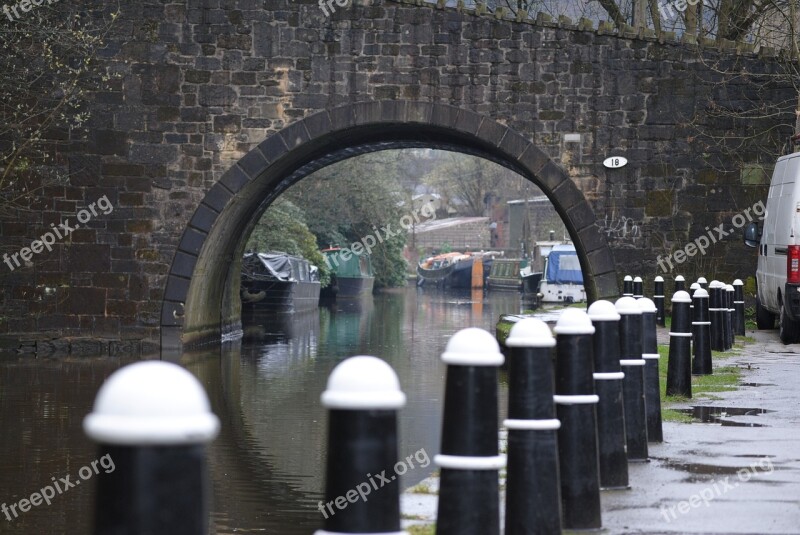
(603, 28)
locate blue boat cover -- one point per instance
(563, 267)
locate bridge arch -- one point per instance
(201, 298)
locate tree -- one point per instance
(355, 198)
(467, 181)
(283, 228)
(48, 66)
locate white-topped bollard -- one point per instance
(633, 394)
(702, 282)
(608, 384)
(716, 316)
(652, 388)
(575, 406)
(627, 286)
(701, 334)
(363, 397)
(638, 287)
(152, 420)
(533, 497)
(469, 495)
(658, 299)
(692, 311)
(679, 366)
(730, 318)
(680, 283)
(738, 305)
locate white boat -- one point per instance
(563, 279)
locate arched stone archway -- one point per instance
(199, 304)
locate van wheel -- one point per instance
(764, 318)
(789, 330)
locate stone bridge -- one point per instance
(219, 106)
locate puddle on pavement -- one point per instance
(702, 469)
(718, 415)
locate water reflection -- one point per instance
(266, 466)
(42, 405)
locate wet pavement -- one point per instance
(737, 472)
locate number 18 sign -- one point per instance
(615, 162)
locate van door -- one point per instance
(778, 229)
(768, 260)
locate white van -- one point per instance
(778, 242)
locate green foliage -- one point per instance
(349, 201)
(389, 264)
(283, 228)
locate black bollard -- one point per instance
(608, 385)
(692, 312)
(701, 327)
(630, 338)
(362, 397)
(731, 315)
(702, 282)
(627, 286)
(679, 365)
(658, 299)
(469, 499)
(152, 422)
(652, 390)
(575, 406)
(533, 493)
(715, 316)
(724, 316)
(738, 305)
(638, 288)
(680, 283)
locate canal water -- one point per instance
(267, 465)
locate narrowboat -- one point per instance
(279, 282)
(513, 274)
(455, 270)
(351, 274)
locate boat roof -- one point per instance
(537, 199)
(337, 249)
